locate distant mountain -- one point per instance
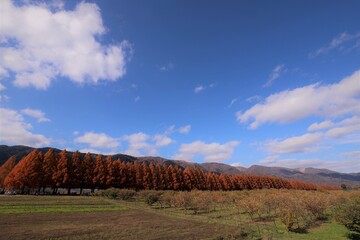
(221, 168)
(312, 175)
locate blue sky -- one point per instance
(275, 83)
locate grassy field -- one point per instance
(77, 217)
(63, 217)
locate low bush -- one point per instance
(114, 193)
(348, 214)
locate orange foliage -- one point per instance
(51, 170)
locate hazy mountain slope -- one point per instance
(313, 175)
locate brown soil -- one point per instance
(129, 224)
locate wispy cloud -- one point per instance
(199, 88)
(185, 129)
(320, 126)
(137, 99)
(232, 102)
(275, 74)
(343, 42)
(35, 113)
(253, 98)
(167, 67)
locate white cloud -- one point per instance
(167, 67)
(138, 144)
(341, 166)
(89, 150)
(100, 140)
(39, 43)
(162, 140)
(142, 144)
(211, 152)
(76, 133)
(2, 87)
(299, 144)
(237, 164)
(35, 113)
(275, 74)
(333, 100)
(14, 130)
(320, 126)
(137, 99)
(185, 129)
(344, 128)
(199, 88)
(339, 44)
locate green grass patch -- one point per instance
(54, 204)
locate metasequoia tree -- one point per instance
(88, 172)
(49, 167)
(64, 174)
(5, 169)
(28, 173)
(63, 170)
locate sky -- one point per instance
(273, 83)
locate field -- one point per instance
(164, 215)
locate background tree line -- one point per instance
(69, 171)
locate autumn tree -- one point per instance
(188, 179)
(139, 176)
(124, 177)
(64, 174)
(49, 167)
(88, 172)
(78, 181)
(110, 173)
(28, 173)
(116, 173)
(177, 178)
(155, 176)
(5, 169)
(168, 177)
(100, 172)
(131, 176)
(147, 177)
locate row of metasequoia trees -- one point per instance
(65, 170)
